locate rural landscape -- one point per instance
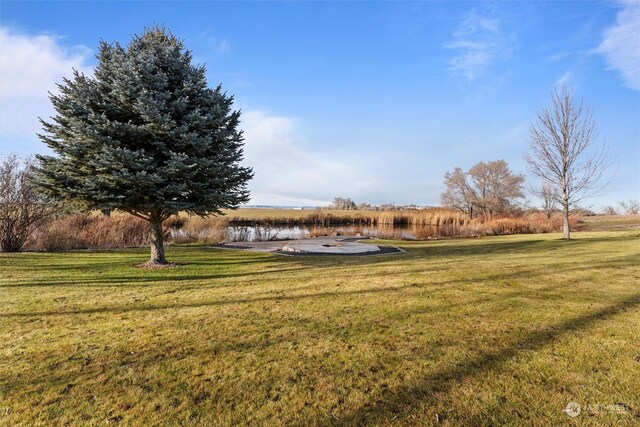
(168, 258)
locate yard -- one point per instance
(486, 331)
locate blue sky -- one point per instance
(369, 100)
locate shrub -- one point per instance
(501, 226)
(22, 209)
(61, 234)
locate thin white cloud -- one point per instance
(288, 171)
(621, 44)
(478, 41)
(220, 45)
(30, 67)
(563, 79)
(558, 56)
(224, 46)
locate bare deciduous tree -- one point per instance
(630, 207)
(343, 204)
(496, 187)
(488, 188)
(562, 151)
(22, 209)
(459, 194)
(550, 198)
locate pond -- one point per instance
(265, 233)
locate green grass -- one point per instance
(491, 331)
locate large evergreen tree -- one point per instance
(145, 135)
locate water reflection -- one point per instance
(264, 233)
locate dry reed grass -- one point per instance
(121, 230)
(447, 224)
(89, 231)
(195, 229)
(329, 218)
(439, 223)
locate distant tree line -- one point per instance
(342, 203)
(627, 207)
(347, 204)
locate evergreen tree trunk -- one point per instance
(157, 243)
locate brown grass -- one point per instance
(195, 229)
(424, 223)
(611, 222)
(121, 230)
(90, 231)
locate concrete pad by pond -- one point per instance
(316, 246)
(337, 247)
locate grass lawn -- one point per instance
(490, 331)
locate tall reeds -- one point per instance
(90, 231)
(121, 230)
(192, 229)
(320, 218)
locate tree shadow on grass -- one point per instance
(461, 248)
(318, 327)
(100, 260)
(138, 281)
(272, 296)
(216, 302)
(484, 246)
(242, 257)
(399, 403)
